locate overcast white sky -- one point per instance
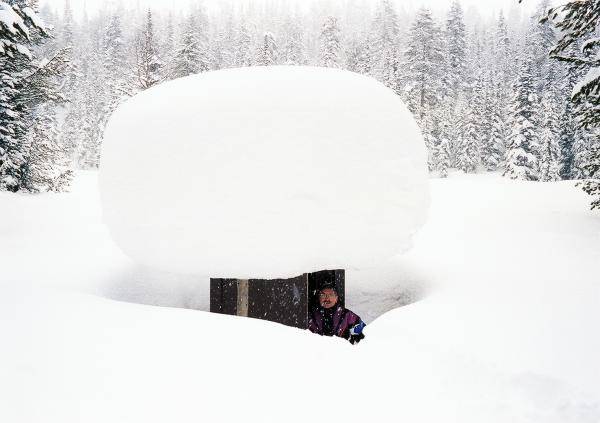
(486, 7)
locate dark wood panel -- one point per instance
(285, 301)
(279, 300)
(223, 296)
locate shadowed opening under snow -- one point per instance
(144, 285)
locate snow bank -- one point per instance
(507, 332)
(264, 172)
(74, 358)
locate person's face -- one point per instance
(327, 298)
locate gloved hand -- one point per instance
(355, 333)
(355, 339)
(357, 329)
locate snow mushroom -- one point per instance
(264, 172)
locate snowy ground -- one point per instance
(503, 327)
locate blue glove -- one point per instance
(357, 329)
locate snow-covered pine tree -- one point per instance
(117, 84)
(243, 46)
(566, 138)
(19, 22)
(582, 147)
(424, 60)
(578, 22)
(266, 54)
(192, 55)
(543, 39)
(501, 76)
(358, 54)
(428, 129)
(392, 73)
(574, 140)
(71, 124)
(442, 154)
(148, 66)
(293, 52)
(568, 128)
(522, 150)
(383, 47)
(592, 185)
(380, 53)
(90, 133)
(455, 51)
(330, 43)
(83, 128)
(48, 166)
(503, 68)
(549, 143)
(222, 42)
(46, 163)
(467, 150)
(167, 42)
(67, 40)
(494, 150)
(481, 105)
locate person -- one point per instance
(330, 318)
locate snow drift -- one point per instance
(506, 332)
(264, 172)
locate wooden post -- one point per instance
(242, 297)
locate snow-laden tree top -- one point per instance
(264, 172)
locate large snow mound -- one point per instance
(264, 172)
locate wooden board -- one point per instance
(286, 301)
(280, 300)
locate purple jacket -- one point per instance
(343, 320)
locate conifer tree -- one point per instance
(392, 73)
(243, 50)
(503, 67)
(117, 83)
(48, 164)
(578, 22)
(494, 149)
(222, 44)
(67, 40)
(549, 146)
(424, 61)
(569, 131)
(522, 151)
(148, 66)
(456, 51)
(167, 48)
(358, 55)
(481, 120)
(192, 55)
(19, 24)
(267, 50)
(384, 43)
(543, 39)
(592, 185)
(330, 44)
(293, 52)
(582, 147)
(71, 125)
(442, 155)
(468, 145)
